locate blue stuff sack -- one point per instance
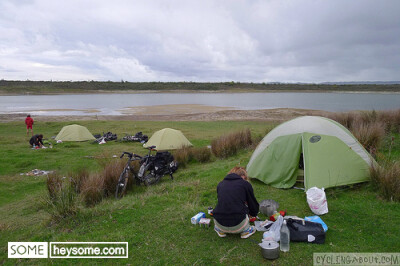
(316, 219)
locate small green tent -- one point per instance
(168, 139)
(332, 156)
(74, 133)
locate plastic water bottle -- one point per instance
(285, 237)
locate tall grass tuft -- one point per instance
(228, 145)
(54, 184)
(63, 199)
(188, 154)
(346, 119)
(370, 135)
(111, 172)
(387, 179)
(76, 179)
(259, 137)
(183, 155)
(201, 154)
(92, 189)
(390, 119)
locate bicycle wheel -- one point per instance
(122, 184)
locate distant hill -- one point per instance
(362, 82)
(11, 87)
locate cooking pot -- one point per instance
(270, 249)
(268, 207)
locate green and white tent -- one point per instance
(168, 139)
(74, 133)
(332, 156)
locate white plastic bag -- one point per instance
(274, 232)
(316, 199)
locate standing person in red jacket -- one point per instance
(29, 124)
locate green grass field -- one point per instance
(156, 220)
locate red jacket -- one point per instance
(29, 121)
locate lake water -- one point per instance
(114, 104)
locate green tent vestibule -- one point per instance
(331, 154)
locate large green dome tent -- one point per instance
(168, 139)
(332, 156)
(74, 133)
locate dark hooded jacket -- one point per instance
(235, 200)
(36, 139)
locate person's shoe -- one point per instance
(246, 233)
(219, 232)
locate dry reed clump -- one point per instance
(370, 127)
(201, 154)
(187, 154)
(259, 137)
(387, 179)
(370, 135)
(92, 189)
(62, 200)
(390, 119)
(76, 179)
(54, 184)
(228, 145)
(346, 119)
(111, 172)
(183, 155)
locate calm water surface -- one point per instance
(113, 104)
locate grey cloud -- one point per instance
(288, 41)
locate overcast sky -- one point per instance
(171, 40)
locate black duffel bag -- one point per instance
(305, 231)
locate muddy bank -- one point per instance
(176, 113)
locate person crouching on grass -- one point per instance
(236, 201)
(36, 141)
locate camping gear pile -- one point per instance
(102, 139)
(138, 137)
(37, 172)
(286, 229)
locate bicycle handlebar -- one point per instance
(130, 155)
(127, 153)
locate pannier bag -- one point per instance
(305, 231)
(164, 156)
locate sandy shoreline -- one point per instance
(179, 113)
